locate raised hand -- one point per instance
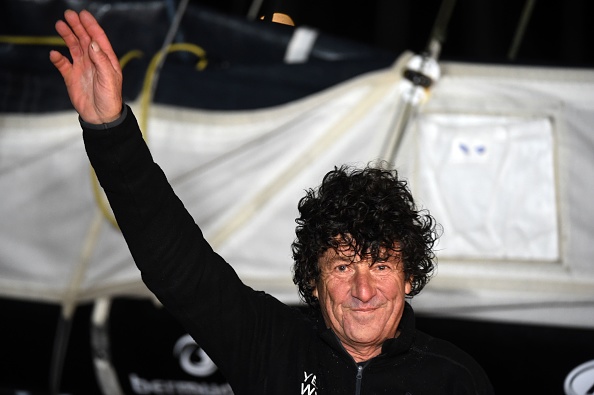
(94, 78)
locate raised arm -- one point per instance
(94, 77)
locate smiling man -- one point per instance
(361, 249)
(360, 300)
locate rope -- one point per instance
(33, 40)
(150, 79)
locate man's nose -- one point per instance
(363, 286)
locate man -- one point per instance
(361, 248)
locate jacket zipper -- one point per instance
(359, 368)
(359, 377)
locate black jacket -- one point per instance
(261, 345)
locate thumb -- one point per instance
(106, 65)
(107, 84)
(98, 57)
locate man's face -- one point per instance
(362, 303)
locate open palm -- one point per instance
(94, 78)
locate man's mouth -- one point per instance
(364, 309)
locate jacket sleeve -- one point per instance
(234, 324)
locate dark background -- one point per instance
(520, 359)
(246, 69)
(557, 33)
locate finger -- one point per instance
(78, 28)
(61, 63)
(69, 38)
(98, 35)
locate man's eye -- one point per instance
(341, 268)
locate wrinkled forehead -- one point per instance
(348, 252)
(343, 252)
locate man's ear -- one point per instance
(408, 286)
(314, 292)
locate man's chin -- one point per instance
(363, 330)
